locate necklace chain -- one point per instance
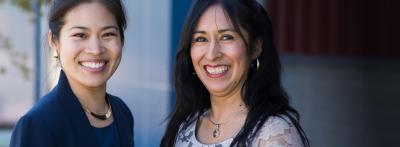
(216, 132)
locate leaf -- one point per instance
(2, 70)
(26, 5)
(25, 71)
(23, 4)
(7, 44)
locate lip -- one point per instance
(216, 71)
(93, 65)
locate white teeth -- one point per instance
(93, 64)
(216, 70)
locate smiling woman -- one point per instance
(227, 81)
(79, 111)
(89, 45)
(219, 54)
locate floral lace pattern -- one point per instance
(276, 132)
(187, 138)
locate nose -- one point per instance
(95, 46)
(213, 51)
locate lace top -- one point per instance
(276, 132)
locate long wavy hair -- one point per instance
(262, 91)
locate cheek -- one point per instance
(67, 57)
(116, 51)
(195, 54)
(238, 53)
(115, 47)
(68, 47)
(66, 53)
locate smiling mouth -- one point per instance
(93, 66)
(216, 71)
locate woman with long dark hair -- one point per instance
(228, 82)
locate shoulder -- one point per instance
(29, 122)
(120, 105)
(31, 131)
(116, 100)
(187, 127)
(123, 117)
(42, 113)
(45, 108)
(186, 133)
(278, 131)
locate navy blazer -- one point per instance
(58, 120)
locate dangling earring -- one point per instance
(57, 60)
(258, 64)
(56, 54)
(194, 72)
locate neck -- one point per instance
(92, 98)
(224, 107)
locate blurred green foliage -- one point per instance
(17, 59)
(25, 5)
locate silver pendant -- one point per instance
(216, 131)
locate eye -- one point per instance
(109, 34)
(200, 39)
(80, 35)
(227, 37)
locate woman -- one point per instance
(227, 81)
(78, 112)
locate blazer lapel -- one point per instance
(84, 134)
(121, 122)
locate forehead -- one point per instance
(91, 14)
(214, 17)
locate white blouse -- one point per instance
(276, 132)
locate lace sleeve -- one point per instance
(278, 132)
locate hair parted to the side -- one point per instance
(262, 91)
(59, 8)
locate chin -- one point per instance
(94, 83)
(216, 90)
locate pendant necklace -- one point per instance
(216, 132)
(101, 116)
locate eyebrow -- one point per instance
(85, 28)
(110, 27)
(79, 27)
(226, 30)
(200, 32)
(219, 31)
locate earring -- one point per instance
(57, 61)
(56, 54)
(258, 64)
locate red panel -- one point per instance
(335, 27)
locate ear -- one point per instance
(258, 49)
(52, 42)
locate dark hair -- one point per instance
(262, 91)
(60, 7)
